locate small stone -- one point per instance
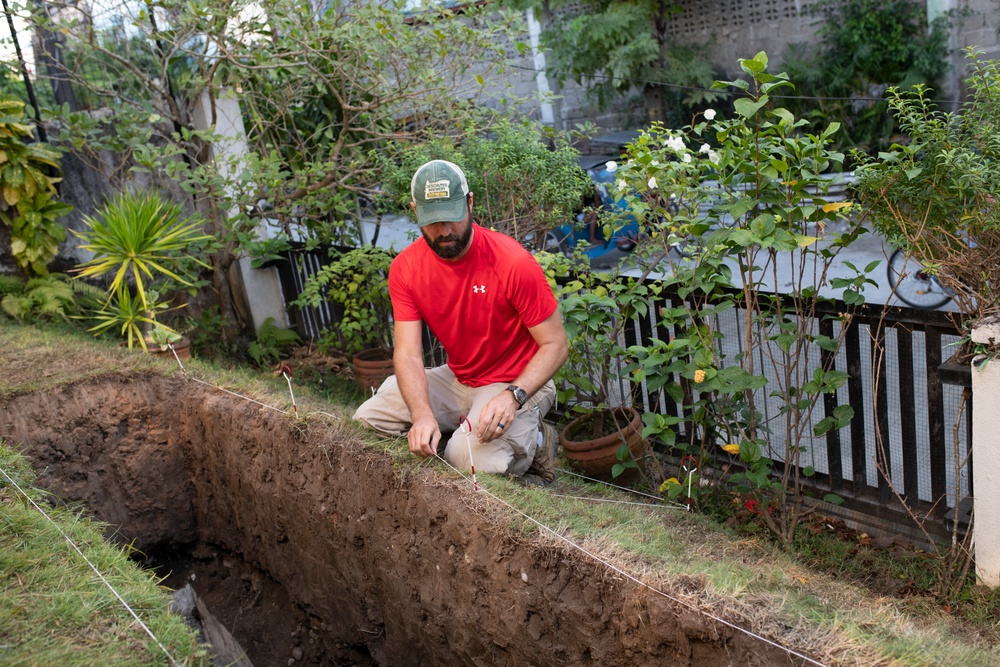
(297, 653)
(884, 542)
(291, 661)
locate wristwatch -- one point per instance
(520, 395)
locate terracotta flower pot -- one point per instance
(590, 442)
(371, 368)
(183, 347)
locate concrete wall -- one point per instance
(734, 29)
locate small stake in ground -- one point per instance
(690, 474)
(287, 372)
(466, 427)
(171, 346)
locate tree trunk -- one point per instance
(48, 47)
(653, 96)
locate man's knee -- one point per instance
(386, 411)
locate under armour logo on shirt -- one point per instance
(479, 289)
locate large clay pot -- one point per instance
(590, 442)
(371, 368)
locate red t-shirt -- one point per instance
(480, 307)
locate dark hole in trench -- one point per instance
(255, 609)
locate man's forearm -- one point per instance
(412, 380)
(548, 359)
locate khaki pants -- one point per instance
(451, 400)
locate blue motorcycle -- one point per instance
(600, 249)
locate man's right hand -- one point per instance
(424, 436)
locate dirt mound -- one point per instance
(329, 553)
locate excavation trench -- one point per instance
(314, 548)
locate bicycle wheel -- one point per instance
(914, 286)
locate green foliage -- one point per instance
(759, 177)
(10, 285)
(864, 47)
(357, 283)
(45, 297)
(521, 187)
(320, 90)
(142, 241)
(936, 195)
(206, 336)
(595, 307)
(27, 187)
(266, 348)
(162, 337)
(613, 46)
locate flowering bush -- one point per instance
(742, 195)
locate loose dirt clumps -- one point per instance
(321, 550)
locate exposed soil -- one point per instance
(315, 549)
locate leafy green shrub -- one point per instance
(937, 195)
(864, 47)
(266, 348)
(358, 283)
(27, 192)
(758, 175)
(46, 297)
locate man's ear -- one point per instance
(413, 205)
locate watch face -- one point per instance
(520, 395)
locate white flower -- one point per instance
(709, 114)
(675, 144)
(611, 166)
(652, 182)
(713, 157)
(620, 184)
(705, 148)
(686, 157)
(654, 163)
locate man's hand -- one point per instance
(424, 436)
(496, 416)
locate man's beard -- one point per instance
(452, 251)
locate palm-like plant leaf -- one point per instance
(141, 236)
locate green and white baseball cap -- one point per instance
(439, 189)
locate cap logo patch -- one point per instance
(437, 190)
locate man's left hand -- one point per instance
(496, 416)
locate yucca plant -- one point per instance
(148, 245)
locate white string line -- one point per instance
(96, 571)
(638, 581)
(233, 393)
(633, 492)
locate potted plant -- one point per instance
(603, 438)
(150, 248)
(356, 284)
(164, 342)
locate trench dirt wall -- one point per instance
(411, 564)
